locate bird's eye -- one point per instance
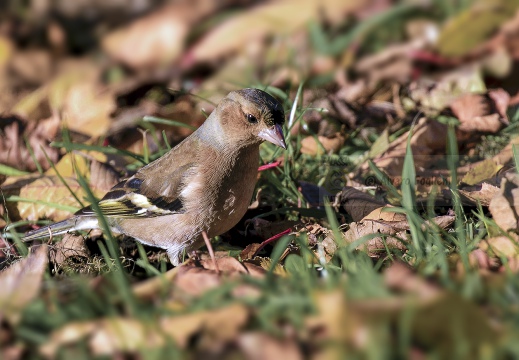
(252, 119)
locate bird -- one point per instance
(203, 184)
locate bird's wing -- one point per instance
(154, 190)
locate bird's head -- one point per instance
(251, 116)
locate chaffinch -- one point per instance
(205, 183)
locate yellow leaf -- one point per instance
(482, 171)
(474, 26)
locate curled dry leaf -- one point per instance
(49, 190)
(504, 206)
(265, 20)
(70, 246)
(507, 246)
(259, 346)
(102, 176)
(158, 38)
(216, 327)
(16, 134)
(194, 278)
(482, 112)
(482, 193)
(357, 203)
(401, 278)
(323, 144)
(48, 197)
(428, 139)
(87, 107)
(111, 336)
(471, 28)
(393, 225)
(21, 282)
(481, 171)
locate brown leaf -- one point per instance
(395, 239)
(428, 139)
(481, 171)
(232, 266)
(87, 107)
(400, 277)
(21, 282)
(482, 193)
(216, 327)
(49, 189)
(13, 148)
(111, 336)
(103, 176)
(310, 146)
(394, 225)
(433, 97)
(249, 251)
(505, 204)
(105, 336)
(259, 346)
(472, 27)
(264, 20)
(506, 246)
(70, 246)
(157, 39)
(357, 203)
(481, 113)
(194, 278)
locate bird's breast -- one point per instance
(221, 195)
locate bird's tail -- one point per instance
(59, 228)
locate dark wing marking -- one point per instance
(155, 189)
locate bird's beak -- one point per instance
(274, 135)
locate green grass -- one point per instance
(433, 254)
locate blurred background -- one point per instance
(141, 75)
(100, 66)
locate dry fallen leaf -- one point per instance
(428, 139)
(15, 134)
(482, 193)
(110, 336)
(393, 225)
(49, 189)
(194, 278)
(324, 145)
(87, 107)
(158, 38)
(505, 204)
(357, 203)
(481, 171)
(260, 346)
(507, 246)
(482, 112)
(70, 246)
(472, 27)
(267, 19)
(21, 282)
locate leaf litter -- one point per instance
(330, 255)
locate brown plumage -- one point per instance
(205, 183)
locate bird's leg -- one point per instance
(210, 248)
